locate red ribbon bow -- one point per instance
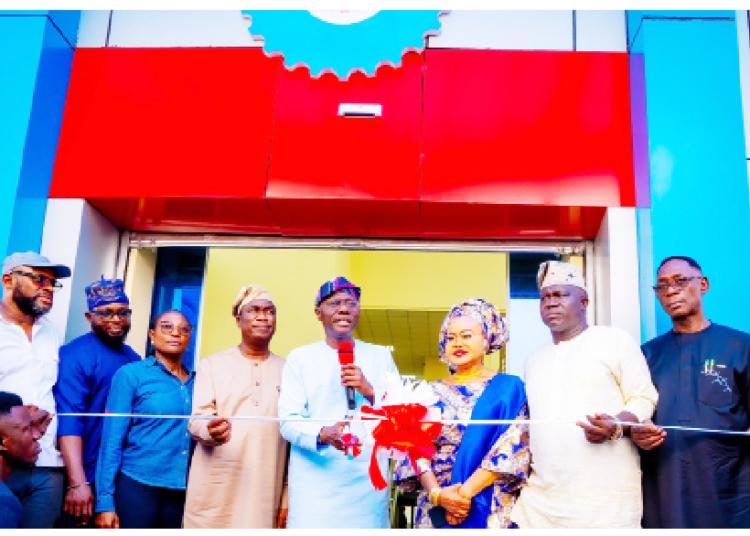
(352, 442)
(402, 430)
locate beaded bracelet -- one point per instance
(434, 496)
(78, 486)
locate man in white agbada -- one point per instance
(584, 476)
(326, 489)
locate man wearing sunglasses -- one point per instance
(87, 365)
(29, 347)
(702, 372)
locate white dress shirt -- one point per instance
(28, 368)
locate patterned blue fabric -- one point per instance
(509, 455)
(329, 288)
(503, 397)
(105, 291)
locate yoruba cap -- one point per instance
(106, 291)
(559, 273)
(248, 294)
(329, 288)
(34, 260)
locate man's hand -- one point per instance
(108, 520)
(331, 435)
(283, 514)
(649, 436)
(351, 376)
(600, 429)
(454, 520)
(456, 505)
(40, 418)
(220, 430)
(79, 503)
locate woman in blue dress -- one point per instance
(477, 472)
(141, 474)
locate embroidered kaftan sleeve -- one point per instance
(638, 391)
(510, 455)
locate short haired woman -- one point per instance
(142, 468)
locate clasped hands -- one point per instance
(457, 503)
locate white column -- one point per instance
(617, 272)
(76, 234)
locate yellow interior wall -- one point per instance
(417, 280)
(139, 287)
(389, 280)
(291, 276)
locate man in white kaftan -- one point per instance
(588, 479)
(326, 489)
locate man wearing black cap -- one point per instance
(327, 490)
(29, 359)
(87, 365)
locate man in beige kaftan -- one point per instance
(586, 478)
(237, 475)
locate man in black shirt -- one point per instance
(702, 373)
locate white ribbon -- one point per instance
(378, 417)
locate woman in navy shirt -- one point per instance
(141, 473)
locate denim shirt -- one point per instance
(154, 452)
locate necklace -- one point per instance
(461, 378)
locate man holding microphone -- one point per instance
(326, 489)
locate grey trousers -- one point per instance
(40, 490)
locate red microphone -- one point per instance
(346, 357)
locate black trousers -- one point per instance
(140, 506)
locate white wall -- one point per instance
(153, 28)
(616, 270)
(506, 30)
(527, 334)
(601, 31)
(488, 29)
(76, 234)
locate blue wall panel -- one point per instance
(700, 203)
(53, 75)
(35, 62)
(21, 40)
(635, 17)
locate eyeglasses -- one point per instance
(679, 283)
(41, 280)
(109, 316)
(167, 328)
(336, 304)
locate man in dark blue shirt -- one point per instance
(19, 447)
(702, 373)
(87, 365)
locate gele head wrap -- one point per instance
(494, 326)
(248, 294)
(329, 288)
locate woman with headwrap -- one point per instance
(477, 472)
(237, 475)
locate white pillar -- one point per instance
(76, 234)
(617, 272)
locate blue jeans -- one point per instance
(140, 506)
(40, 490)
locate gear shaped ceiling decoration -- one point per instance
(342, 42)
